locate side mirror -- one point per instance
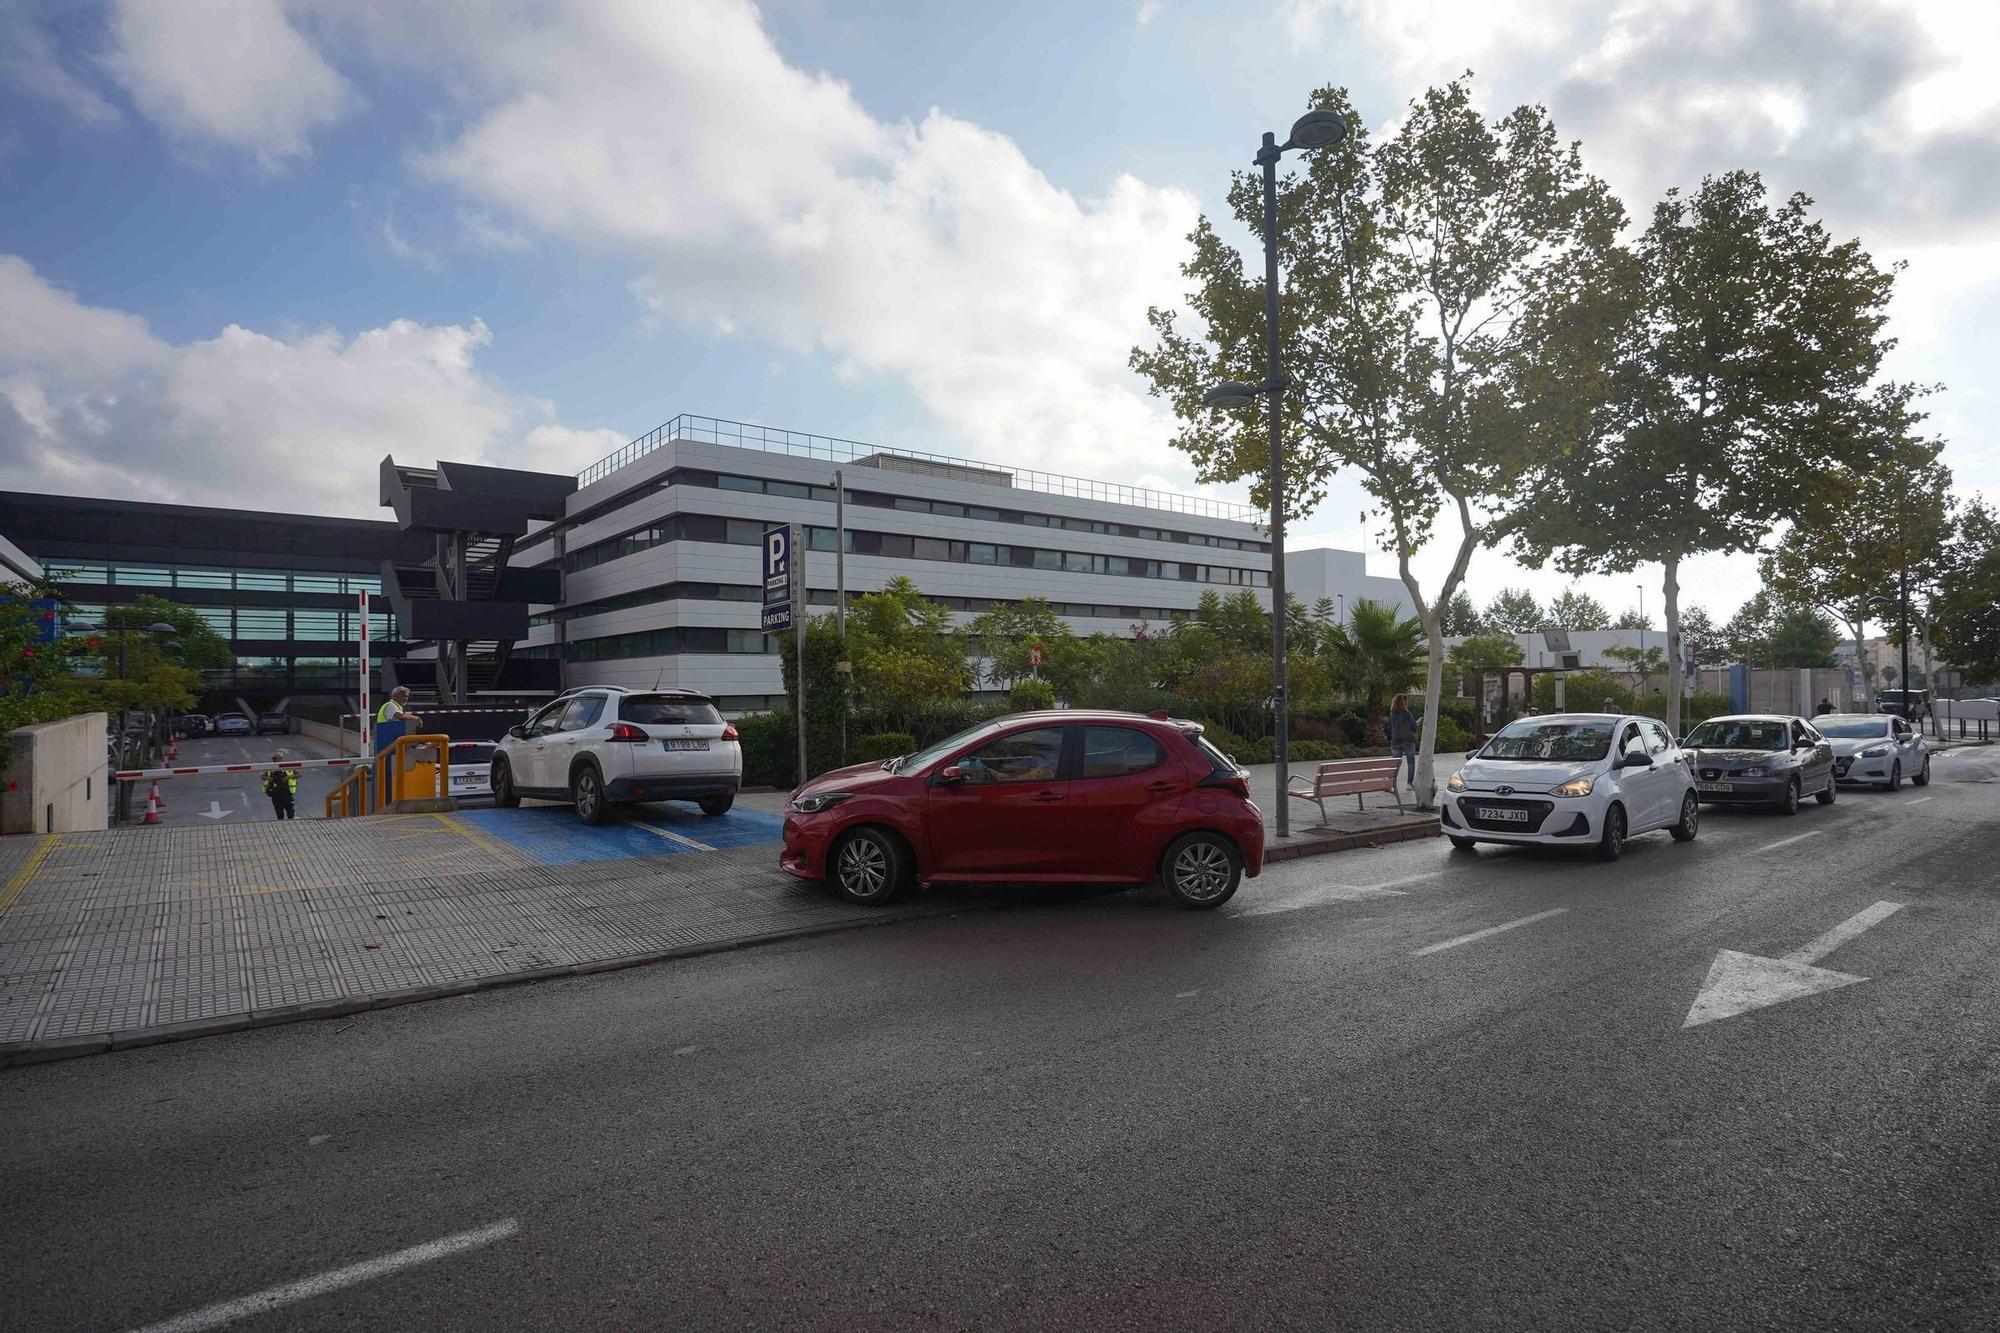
(1629, 760)
(518, 731)
(951, 774)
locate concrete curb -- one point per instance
(1341, 842)
(67, 1048)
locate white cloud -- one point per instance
(91, 402)
(1147, 11)
(486, 234)
(405, 250)
(233, 71)
(29, 61)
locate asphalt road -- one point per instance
(238, 797)
(1098, 1111)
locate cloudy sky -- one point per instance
(249, 246)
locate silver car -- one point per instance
(1877, 748)
(1761, 759)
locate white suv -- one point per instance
(606, 744)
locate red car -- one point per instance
(1068, 797)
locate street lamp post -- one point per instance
(1315, 129)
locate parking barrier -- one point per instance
(141, 774)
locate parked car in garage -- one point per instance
(274, 723)
(1572, 780)
(233, 724)
(192, 724)
(1064, 797)
(471, 768)
(607, 745)
(1761, 759)
(1876, 748)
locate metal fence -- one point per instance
(740, 435)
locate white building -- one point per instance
(1342, 578)
(661, 548)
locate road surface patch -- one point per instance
(1740, 982)
(1786, 842)
(1477, 935)
(291, 1293)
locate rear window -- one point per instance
(1219, 761)
(478, 753)
(666, 710)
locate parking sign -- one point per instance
(778, 560)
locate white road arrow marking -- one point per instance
(215, 811)
(1740, 982)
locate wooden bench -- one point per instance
(1348, 777)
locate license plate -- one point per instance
(1715, 786)
(687, 745)
(1503, 816)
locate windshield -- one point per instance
(1851, 728)
(1740, 734)
(1556, 742)
(471, 753)
(668, 710)
(946, 746)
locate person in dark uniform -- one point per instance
(282, 786)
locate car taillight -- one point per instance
(1232, 782)
(729, 731)
(625, 731)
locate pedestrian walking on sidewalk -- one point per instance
(282, 786)
(1403, 735)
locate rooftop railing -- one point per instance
(799, 444)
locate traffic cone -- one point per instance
(154, 798)
(152, 806)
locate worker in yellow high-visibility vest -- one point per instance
(282, 786)
(396, 708)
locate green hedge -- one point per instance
(880, 745)
(1029, 696)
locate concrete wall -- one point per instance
(340, 742)
(55, 777)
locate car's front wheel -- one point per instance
(1895, 782)
(1459, 844)
(1201, 870)
(502, 781)
(1612, 841)
(1923, 776)
(1827, 797)
(587, 790)
(1690, 821)
(1789, 802)
(869, 867)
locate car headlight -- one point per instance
(1875, 752)
(1755, 773)
(818, 801)
(1574, 787)
(1455, 782)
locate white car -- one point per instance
(471, 768)
(1878, 748)
(1572, 780)
(605, 745)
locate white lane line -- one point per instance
(1407, 879)
(1490, 930)
(1786, 842)
(272, 1298)
(1322, 894)
(670, 836)
(1817, 949)
(1920, 800)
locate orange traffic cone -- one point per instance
(152, 806)
(154, 798)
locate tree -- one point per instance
(905, 653)
(1631, 619)
(1578, 610)
(1700, 637)
(1871, 529)
(1801, 637)
(1376, 654)
(1748, 344)
(1437, 331)
(37, 681)
(1460, 615)
(1641, 662)
(1748, 634)
(1965, 615)
(1481, 652)
(1007, 635)
(1516, 611)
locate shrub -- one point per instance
(1313, 752)
(770, 750)
(1031, 695)
(1701, 707)
(881, 745)
(1451, 737)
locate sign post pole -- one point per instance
(785, 607)
(367, 718)
(798, 592)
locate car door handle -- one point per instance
(1049, 796)
(1160, 788)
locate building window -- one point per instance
(258, 580)
(256, 622)
(142, 576)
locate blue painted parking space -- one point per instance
(553, 835)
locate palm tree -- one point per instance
(1376, 654)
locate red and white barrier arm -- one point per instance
(139, 774)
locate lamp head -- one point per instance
(1230, 393)
(1318, 129)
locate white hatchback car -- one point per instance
(1572, 780)
(606, 745)
(471, 768)
(1879, 748)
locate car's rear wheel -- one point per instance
(1827, 797)
(586, 788)
(1923, 776)
(1201, 870)
(869, 867)
(1895, 782)
(1459, 844)
(716, 805)
(1789, 802)
(502, 782)
(1612, 841)
(1690, 822)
